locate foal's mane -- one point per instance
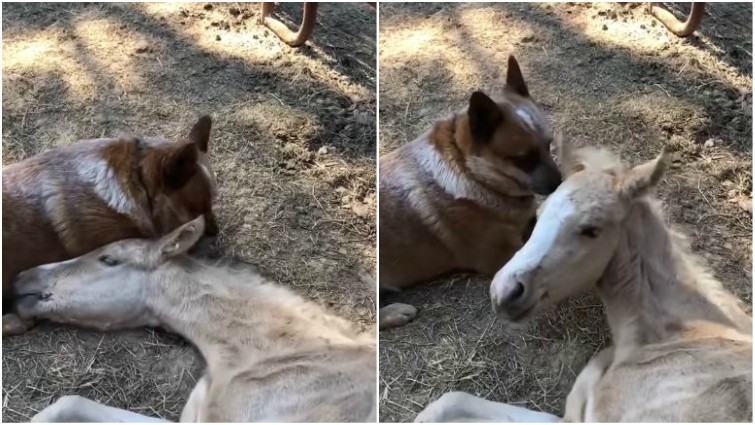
(666, 249)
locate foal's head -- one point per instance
(576, 234)
(105, 288)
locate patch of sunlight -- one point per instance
(43, 53)
(162, 8)
(409, 41)
(248, 43)
(111, 50)
(647, 106)
(257, 115)
(27, 53)
(631, 35)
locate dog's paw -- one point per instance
(14, 325)
(396, 314)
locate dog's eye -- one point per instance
(527, 162)
(109, 261)
(591, 232)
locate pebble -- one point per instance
(709, 143)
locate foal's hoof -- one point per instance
(14, 325)
(397, 314)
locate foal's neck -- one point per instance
(655, 290)
(237, 316)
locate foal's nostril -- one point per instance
(515, 294)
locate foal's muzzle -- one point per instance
(512, 296)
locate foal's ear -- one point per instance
(200, 133)
(640, 179)
(514, 79)
(182, 239)
(567, 161)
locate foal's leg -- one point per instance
(73, 408)
(396, 314)
(463, 407)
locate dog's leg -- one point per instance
(463, 407)
(396, 314)
(14, 325)
(73, 408)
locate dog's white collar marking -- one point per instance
(96, 169)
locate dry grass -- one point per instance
(293, 144)
(610, 75)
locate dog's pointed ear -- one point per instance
(180, 165)
(568, 163)
(642, 178)
(484, 117)
(514, 79)
(200, 133)
(181, 239)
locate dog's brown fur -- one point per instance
(461, 196)
(68, 201)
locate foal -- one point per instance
(682, 344)
(271, 355)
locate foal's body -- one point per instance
(271, 355)
(682, 344)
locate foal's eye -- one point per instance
(590, 232)
(109, 261)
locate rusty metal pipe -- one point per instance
(293, 39)
(682, 29)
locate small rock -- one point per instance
(234, 11)
(605, 27)
(709, 143)
(217, 37)
(208, 7)
(360, 210)
(727, 183)
(745, 204)
(323, 150)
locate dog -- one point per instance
(70, 200)
(461, 197)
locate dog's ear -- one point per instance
(514, 79)
(640, 179)
(179, 165)
(200, 133)
(484, 117)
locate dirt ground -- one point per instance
(293, 144)
(610, 75)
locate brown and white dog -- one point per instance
(70, 200)
(461, 196)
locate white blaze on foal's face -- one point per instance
(574, 238)
(577, 232)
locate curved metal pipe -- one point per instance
(293, 39)
(682, 29)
